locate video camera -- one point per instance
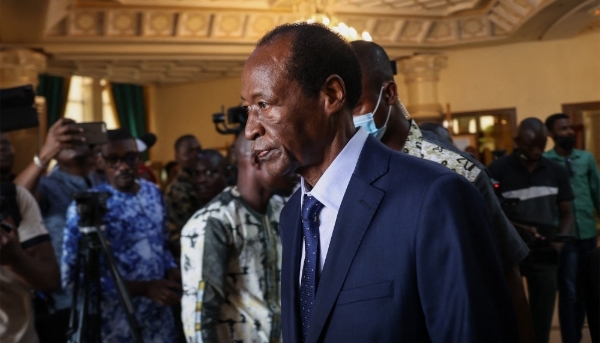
(91, 207)
(235, 115)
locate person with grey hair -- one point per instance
(371, 252)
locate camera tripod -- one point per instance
(85, 323)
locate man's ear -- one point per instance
(390, 93)
(334, 94)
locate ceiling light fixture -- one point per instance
(321, 15)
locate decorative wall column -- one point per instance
(421, 73)
(20, 67)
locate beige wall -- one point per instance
(187, 108)
(534, 77)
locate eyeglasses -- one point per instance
(130, 158)
(570, 166)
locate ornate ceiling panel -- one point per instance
(497, 20)
(193, 40)
(146, 71)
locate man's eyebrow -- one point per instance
(253, 95)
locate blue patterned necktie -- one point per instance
(308, 286)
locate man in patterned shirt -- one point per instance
(180, 197)
(231, 259)
(380, 112)
(136, 230)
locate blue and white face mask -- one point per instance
(367, 121)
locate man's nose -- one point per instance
(122, 165)
(253, 127)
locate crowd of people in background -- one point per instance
(201, 254)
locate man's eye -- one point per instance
(246, 108)
(263, 105)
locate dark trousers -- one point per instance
(591, 281)
(540, 270)
(571, 297)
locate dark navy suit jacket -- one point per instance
(412, 259)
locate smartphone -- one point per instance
(93, 132)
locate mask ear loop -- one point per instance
(378, 100)
(388, 117)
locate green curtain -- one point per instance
(129, 102)
(54, 89)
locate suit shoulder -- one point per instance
(410, 166)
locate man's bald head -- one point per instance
(531, 139)
(374, 63)
(532, 125)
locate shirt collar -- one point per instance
(414, 140)
(576, 153)
(331, 187)
(543, 162)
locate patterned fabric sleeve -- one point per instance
(192, 238)
(70, 247)
(203, 264)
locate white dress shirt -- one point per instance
(330, 190)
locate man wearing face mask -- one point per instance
(585, 181)
(380, 113)
(544, 199)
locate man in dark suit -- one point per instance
(371, 251)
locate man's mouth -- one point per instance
(262, 153)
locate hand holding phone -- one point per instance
(62, 135)
(93, 132)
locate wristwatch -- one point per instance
(38, 162)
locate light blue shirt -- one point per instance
(330, 190)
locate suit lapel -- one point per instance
(292, 253)
(358, 207)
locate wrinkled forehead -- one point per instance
(268, 59)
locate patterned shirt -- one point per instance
(182, 202)
(135, 229)
(231, 264)
(512, 248)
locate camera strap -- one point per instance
(8, 202)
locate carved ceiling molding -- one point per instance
(161, 41)
(197, 25)
(147, 71)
